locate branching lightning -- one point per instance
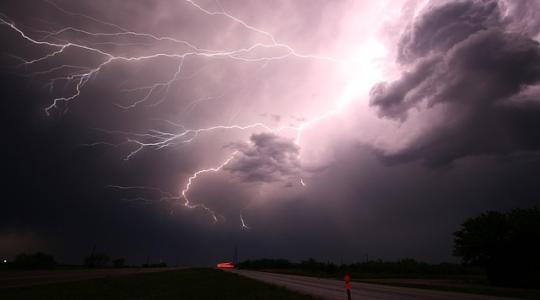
(193, 177)
(79, 76)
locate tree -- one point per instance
(507, 245)
(119, 262)
(99, 259)
(38, 260)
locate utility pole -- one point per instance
(235, 257)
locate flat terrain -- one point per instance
(457, 286)
(183, 284)
(334, 289)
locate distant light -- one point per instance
(225, 265)
(5, 260)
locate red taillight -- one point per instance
(225, 265)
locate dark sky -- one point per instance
(294, 129)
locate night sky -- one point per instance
(176, 130)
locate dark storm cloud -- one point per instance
(394, 99)
(459, 55)
(446, 25)
(267, 158)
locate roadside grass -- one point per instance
(528, 294)
(455, 283)
(179, 284)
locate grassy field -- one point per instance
(181, 284)
(528, 294)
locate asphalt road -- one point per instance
(28, 278)
(335, 289)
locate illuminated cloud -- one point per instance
(268, 158)
(462, 56)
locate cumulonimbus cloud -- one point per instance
(267, 158)
(467, 56)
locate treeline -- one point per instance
(373, 268)
(40, 261)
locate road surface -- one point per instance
(10, 279)
(335, 289)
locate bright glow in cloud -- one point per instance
(347, 63)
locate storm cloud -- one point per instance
(333, 129)
(463, 57)
(268, 158)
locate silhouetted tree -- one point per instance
(98, 259)
(507, 245)
(38, 260)
(119, 262)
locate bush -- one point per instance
(119, 262)
(99, 259)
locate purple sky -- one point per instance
(326, 129)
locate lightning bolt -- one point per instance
(243, 223)
(193, 177)
(79, 76)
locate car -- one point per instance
(225, 265)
